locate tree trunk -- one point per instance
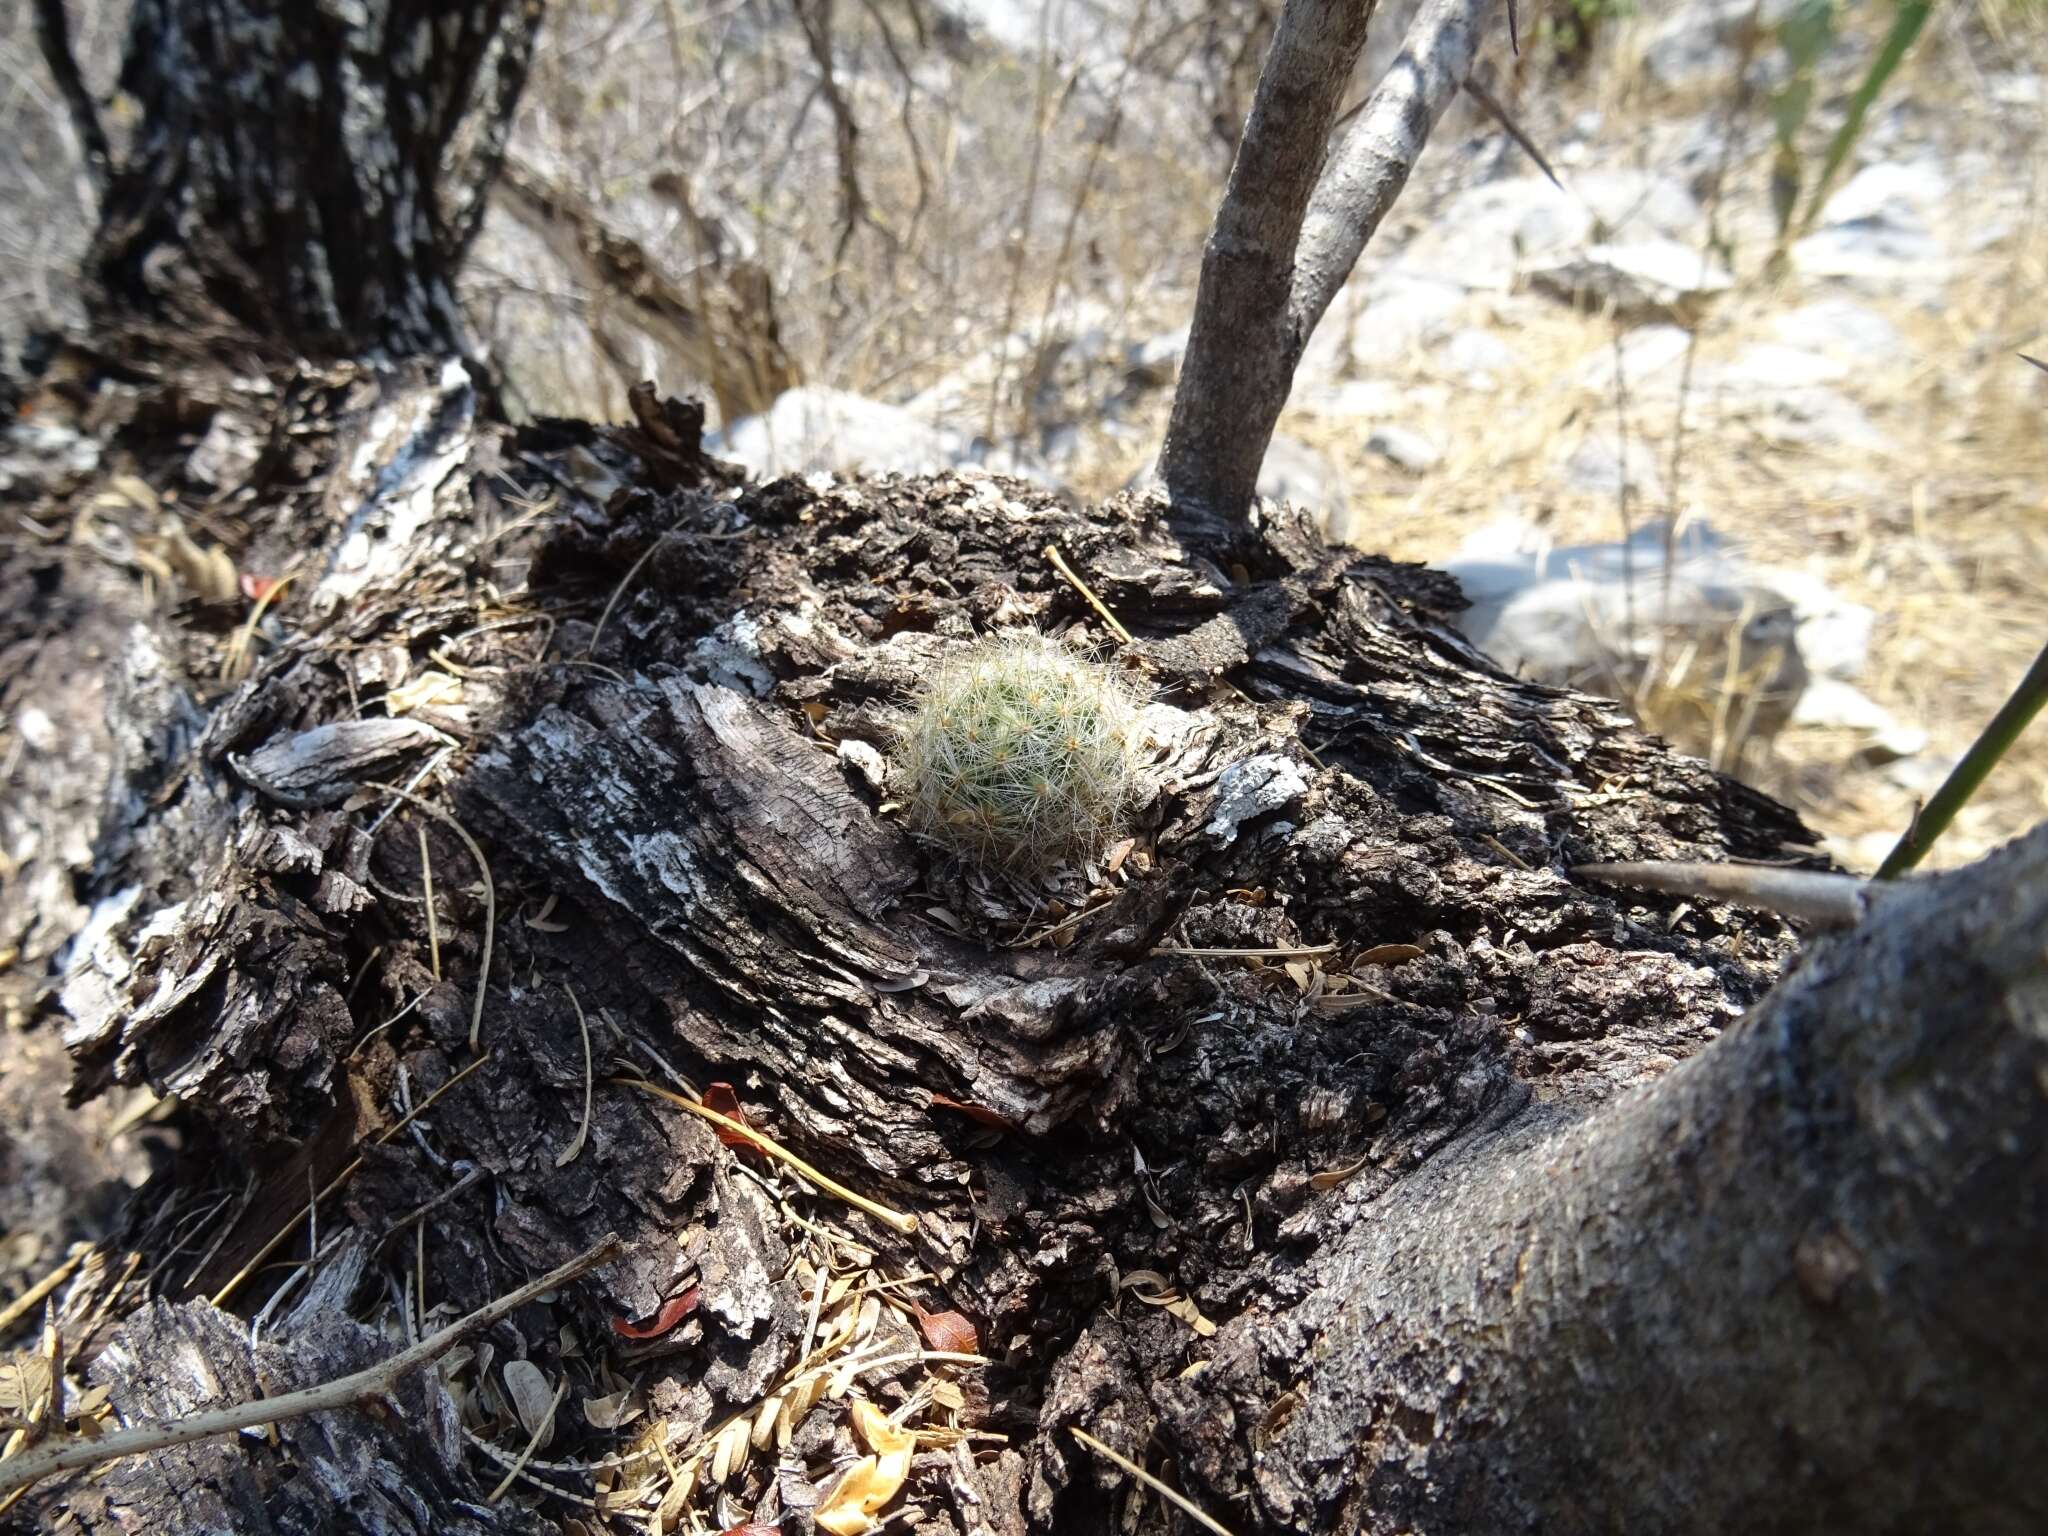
(1325, 1147)
(311, 175)
(1458, 1222)
(1296, 215)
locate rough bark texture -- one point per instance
(309, 174)
(1293, 221)
(1327, 1158)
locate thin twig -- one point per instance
(362, 1386)
(483, 976)
(568, 1153)
(1059, 563)
(895, 1220)
(220, 1296)
(1275, 952)
(427, 886)
(619, 591)
(532, 1444)
(1173, 1496)
(25, 1303)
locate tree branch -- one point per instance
(1371, 164)
(1808, 1258)
(1291, 226)
(69, 1455)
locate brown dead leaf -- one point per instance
(1391, 954)
(1330, 1178)
(673, 1311)
(947, 1332)
(981, 1112)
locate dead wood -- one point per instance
(685, 819)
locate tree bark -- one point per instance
(1293, 221)
(308, 175)
(1326, 1148)
(1459, 1222)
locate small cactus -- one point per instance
(1021, 754)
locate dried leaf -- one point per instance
(1191, 1314)
(1297, 971)
(973, 1111)
(24, 1387)
(801, 1397)
(673, 1311)
(1391, 954)
(612, 1411)
(947, 1332)
(428, 688)
(764, 1422)
(720, 1099)
(729, 1452)
(1330, 1178)
(206, 569)
(851, 1503)
(532, 1399)
(883, 1437)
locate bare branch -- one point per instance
(1242, 345)
(1291, 227)
(1371, 163)
(69, 1455)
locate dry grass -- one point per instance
(1942, 529)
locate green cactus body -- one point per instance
(1021, 754)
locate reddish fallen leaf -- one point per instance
(673, 1311)
(256, 588)
(751, 1530)
(948, 1332)
(720, 1099)
(972, 1111)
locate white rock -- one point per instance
(1489, 232)
(812, 428)
(1842, 328)
(1883, 228)
(1652, 362)
(1600, 466)
(1477, 356)
(1295, 472)
(1636, 281)
(1828, 702)
(1405, 449)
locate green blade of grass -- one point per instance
(1908, 17)
(1963, 779)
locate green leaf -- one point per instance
(1908, 18)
